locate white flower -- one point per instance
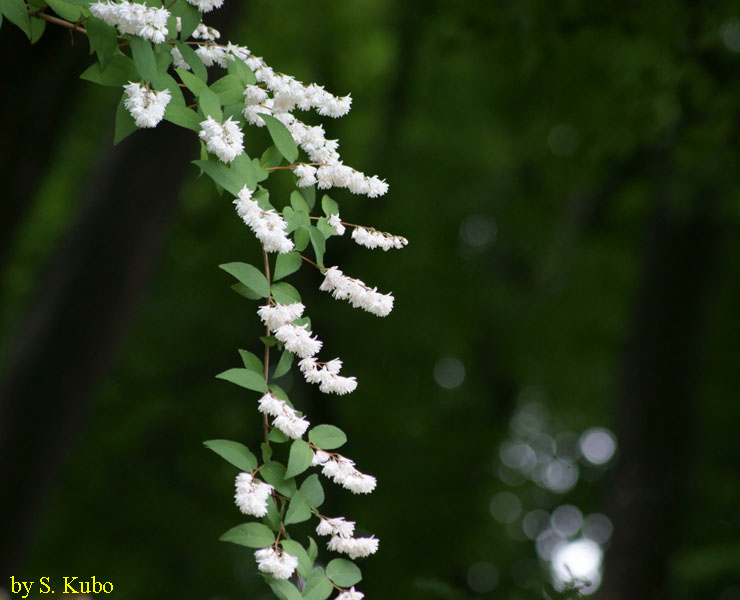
(211, 55)
(341, 470)
(177, 59)
(145, 105)
(286, 419)
(134, 19)
(254, 95)
(327, 376)
(337, 526)
(306, 175)
(354, 547)
(267, 225)
(371, 238)
(356, 292)
(280, 314)
(350, 594)
(298, 340)
(203, 32)
(336, 223)
(206, 5)
(222, 139)
(251, 495)
(277, 563)
(377, 187)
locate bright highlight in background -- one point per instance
(578, 564)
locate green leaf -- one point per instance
(146, 63)
(252, 362)
(343, 572)
(243, 167)
(298, 202)
(167, 82)
(273, 519)
(329, 206)
(305, 564)
(313, 550)
(259, 172)
(210, 104)
(298, 510)
(277, 436)
(301, 239)
(274, 474)
(318, 241)
(38, 26)
(284, 364)
(103, 40)
(279, 392)
(262, 198)
(234, 452)
(182, 116)
(284, 293)
(252, 535)
(271, 158)
(249, 276)
(309, 195)
(268, 340)
(119, 72)
(323, 226)
(243, 290)
(283, 589)
(312, 491)
(245, 378)
(15, 11)
(125, 124)
(285, 264)
(193, 83)
(299, 459)
(327, 437)
(190, 57)
(318, 586)
(242, 71)
(189, 15)
(229, 89)
(281, 137)
(266, 452)
(67, 11)
(222, 175)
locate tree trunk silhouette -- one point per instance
(656, 398)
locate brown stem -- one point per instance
(265, 425)
(57, 21)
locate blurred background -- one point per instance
(552, 406)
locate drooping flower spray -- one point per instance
(142, 48)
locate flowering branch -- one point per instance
(141, 49)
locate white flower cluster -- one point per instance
(350, 594)
(354, 547)
(341, 470)
(336, 526)
(297, 339)
(342, 540)
(134, 19)
(356, 292)
(372, 238)
(252, 495)
(203, 32)
(277, 563)
(286, 418)
(222, 139)
(282, 94)
(206, 5)
(267, 225)
(336, 222)
(145, 105)
(327, 376)
(211, 54)
(280, 314)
